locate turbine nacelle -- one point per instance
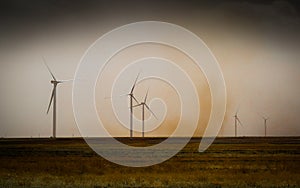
(55, 82)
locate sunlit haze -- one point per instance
(256, 44)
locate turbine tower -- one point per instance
(144, 104)
(131, 98)
(236, 122)
(55, 82)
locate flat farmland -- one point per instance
(228, 162)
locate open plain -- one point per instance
(229, 162)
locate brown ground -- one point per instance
(229, 162)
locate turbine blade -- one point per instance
(111, 97)
(106, 97)
(237, 110)
(51, 99)
(133, 86)
(239, 122)
(136, 105)
(124, 95)
(145, 99)
(49, 69)
(69, 80)
(263, 117)
(135, 99)
(151, 111)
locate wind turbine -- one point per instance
(236, 122)
(55, 82)
(131, 98)
(265, 124)
(144, 104)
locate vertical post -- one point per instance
(54, 113)
(130, 116)
(265, 127)
(143, 118)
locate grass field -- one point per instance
(229, 162)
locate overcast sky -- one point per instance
(257, 45)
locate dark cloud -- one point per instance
(18, 10)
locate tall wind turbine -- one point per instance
(144, 104)
(131, 98)
(236, 122)
(55, 82)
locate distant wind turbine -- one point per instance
(131, 98)
(236, 122)
(55, 82)
(144, 104)
(265, 124)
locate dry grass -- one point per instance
(242, 162)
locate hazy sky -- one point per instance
(256, 43)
